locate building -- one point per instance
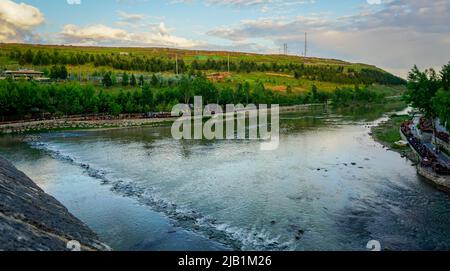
(218, 77)
(24, 74)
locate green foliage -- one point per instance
(324, 72)
(430, 93)
(23, 98)
(147, 97)
(125, 79)
(445, 76)
(107, 80)
(441, 105)
(422, 87)
(355, 96)
(59, 72)
(141, 81)
(388, 132)
(133, 81)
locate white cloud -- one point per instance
(17, 21)
(374, 2)
(131, 17)
(74, 2)
(104, 35)
(396, 36)
(250, 3)
(264, 9)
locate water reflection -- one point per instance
(328, 187)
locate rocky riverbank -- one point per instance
(73, 123)
(69, 124)
(31, 220)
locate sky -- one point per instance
(391, 34)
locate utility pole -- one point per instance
(306, 44)
(176, 63)
(285, 48)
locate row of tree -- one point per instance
(19, 99)
(325, 73)
(429, 92)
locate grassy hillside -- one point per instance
(279, 73)
(187, 55)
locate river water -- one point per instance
(329, 186)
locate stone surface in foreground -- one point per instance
(31, 220)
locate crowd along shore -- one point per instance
(413, 138)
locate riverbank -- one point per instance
(387, 133)
(26, 127)
(31, 220)
(71, 124)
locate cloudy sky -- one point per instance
(392, 34)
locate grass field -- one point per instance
(389, 132)
(187, 55)
(276, 81)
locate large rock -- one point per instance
(32, 220)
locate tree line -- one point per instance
(325, 73)
(22, 99)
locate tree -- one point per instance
(226, 96)
(59, 72)
(445, 76)
(441, 104)
(63, 74)
(185, 87)
(107, 81)
(154, 81)
(314, 93)
(246, 89)
(239, 94)
(422, 87)
(259, 94)
(28, 57)
(125, 79)
(115, 109)
(113, 78)
(54, 72)
(133, 82)
(4, 103)
(141, 80)
(147, 96)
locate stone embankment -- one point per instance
(68, 124)
(31, 220)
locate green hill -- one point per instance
(91, 80)
(277, 72)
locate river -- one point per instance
(329, 186)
